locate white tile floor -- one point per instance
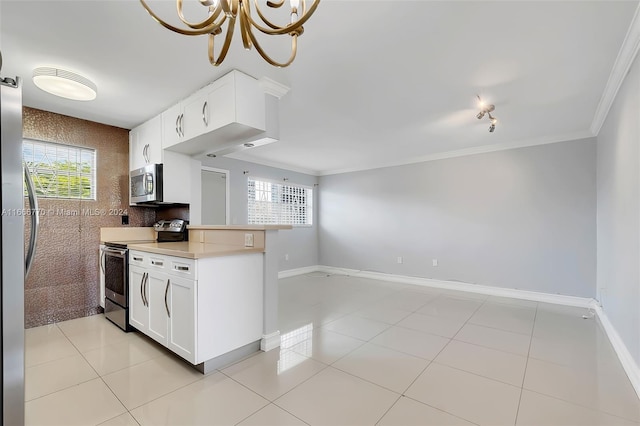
(354, 352)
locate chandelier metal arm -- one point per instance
(263, 17)
(275, 4)
(294, 50)
(207, 30)
(225, 47)
(229, 11)
(200, 25)
(245, 30)
(287, 29)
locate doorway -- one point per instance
(214, 196)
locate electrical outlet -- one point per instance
(399, 259)
(286, 256)
(434, 262)
(248, 240)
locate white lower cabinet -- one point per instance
(158, 285)
(198, 318)
(181, 302)
(138, 310)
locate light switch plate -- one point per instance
(248, 240)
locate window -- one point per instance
(61, 171)
(273, 203)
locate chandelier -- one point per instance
(221, 12)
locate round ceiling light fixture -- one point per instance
(65, 84)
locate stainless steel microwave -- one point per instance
(146, 184)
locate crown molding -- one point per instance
(273, 88)
(242, 156)
(621, 67)
(464, 152)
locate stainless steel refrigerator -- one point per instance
(12, 231)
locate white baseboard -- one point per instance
(298, 271)
(270, 341)
(626, 359)
(558, 299)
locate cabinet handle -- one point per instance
(182, 268)
(141, 286)
(144, 154)
(181, 125)
(137, 259)
(166, 305)
(205, 119)
(157, 263)
(146, 289)
(177, 125)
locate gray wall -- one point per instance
(619, 212)
(300, 243)
(523, 218)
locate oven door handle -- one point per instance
(102, 255)
(115, 251)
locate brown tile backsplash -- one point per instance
(64, 281)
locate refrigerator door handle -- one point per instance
(35, 221)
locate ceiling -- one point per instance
(375, 83)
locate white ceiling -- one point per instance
(375, 83)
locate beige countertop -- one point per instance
(193, 250)
(239, 227)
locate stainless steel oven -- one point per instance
(115, 262)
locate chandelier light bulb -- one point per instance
(295, 4)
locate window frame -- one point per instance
(79, 150)
(309, 201)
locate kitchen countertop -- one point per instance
(193, 250)
(239, 227)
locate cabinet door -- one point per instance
(138, 310)
(221, 102)
(182, 315)
(172, 126)
(150, 140)
(136, 159)
(158, 300)
(196, 115)
(145, 144)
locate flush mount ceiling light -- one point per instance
(65, 84)
(227, 11)
(487, 110)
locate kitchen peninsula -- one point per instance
(212, 299)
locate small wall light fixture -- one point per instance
(487, 110)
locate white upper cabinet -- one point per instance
(196, 119)
(172, 126)
(145, 147)
(145, 144)
(229, 110)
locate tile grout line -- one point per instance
(432, 361)
(526, 365)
